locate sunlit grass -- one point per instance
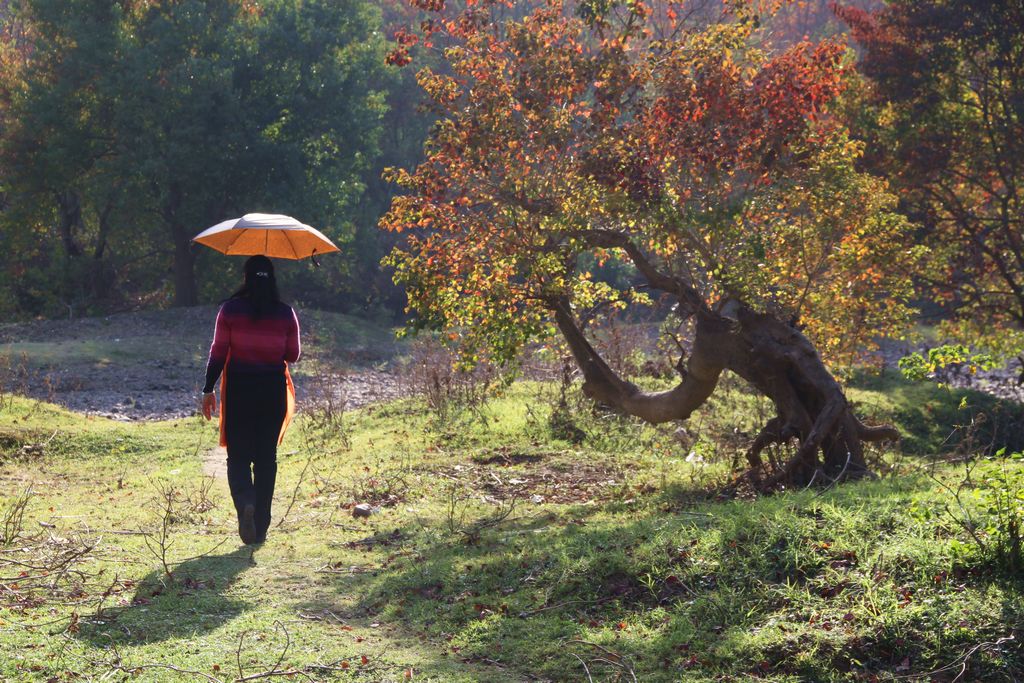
(616, 556)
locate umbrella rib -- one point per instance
(266, 242)
(291, 244)
(238, 236)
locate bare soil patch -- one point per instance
(539, 478)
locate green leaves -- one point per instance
(938, 112)
(917, 367)
(164, 118)
(564, 137)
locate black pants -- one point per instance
(255, 408)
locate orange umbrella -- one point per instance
(267, 234)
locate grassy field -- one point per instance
(501, 549)
(177, 335)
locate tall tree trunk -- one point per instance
(69, 208)
(186, 293)
(774, 357)
(103, 277)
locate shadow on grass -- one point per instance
(161, 609)
(799, 586)
(928, 416)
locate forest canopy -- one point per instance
(129, 127)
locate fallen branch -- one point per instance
(530, 613)
(274, 670)
(170, 667)
(960, 661)
(613, 659)
(586, 670)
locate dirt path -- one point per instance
(215, 463)
(166, 390)
(149, 366)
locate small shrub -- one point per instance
(988, 504)
(380, 486)
(12, 518)
(326, 408)
(449, 389)
(1001, 496)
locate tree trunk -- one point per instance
(69, 206)
(186, 293)
(772, 356)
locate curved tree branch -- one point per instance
(603, 385)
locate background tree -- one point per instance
(713, 169)
(135, 125)
(796, 20)
(947, 126)
(53, 146)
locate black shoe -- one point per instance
(247, 525)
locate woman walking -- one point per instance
(255, 338)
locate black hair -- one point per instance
(259, 286)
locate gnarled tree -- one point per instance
(606, 131)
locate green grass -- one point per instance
(935, 419)
(93, 352)
(616, 558)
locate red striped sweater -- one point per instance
(255, 344)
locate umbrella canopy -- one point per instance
(267, 234)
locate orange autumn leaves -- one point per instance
(721, 162)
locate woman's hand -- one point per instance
(209, 405)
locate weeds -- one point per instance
(506, 507)
(175, 508)
(15, 379)
(380, 486)
(1003, 495)
(326, 408)
(449, 389)
(295, 491)
(12, 518)
(19, 378)
(999, 495)
(562, 422)
(456, 506)
(201, 500)
(159, 542)
(987, 504)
